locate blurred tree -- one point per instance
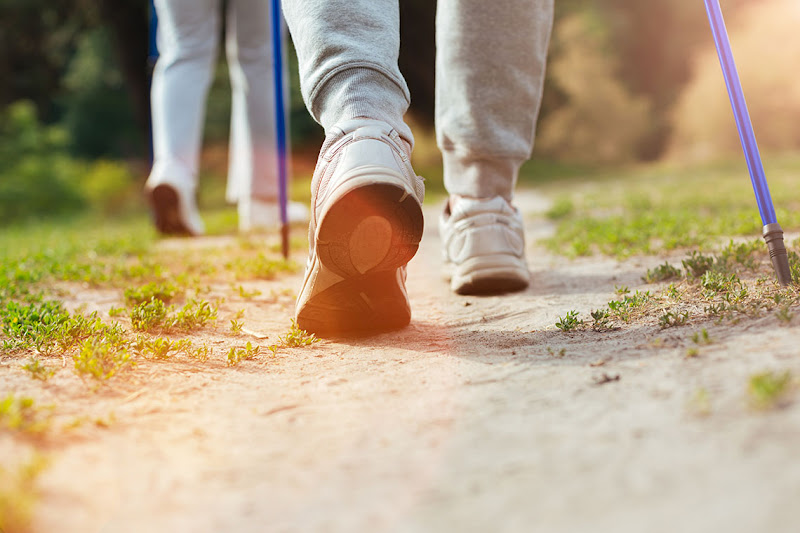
(36, 41)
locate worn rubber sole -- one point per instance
(164, 202)
(494, 274)
(361, 241)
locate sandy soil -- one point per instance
(465, 421)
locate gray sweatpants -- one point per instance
(489, 74)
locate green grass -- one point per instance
(655, 209)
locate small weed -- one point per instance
(293, 338)
(38, 370)
(714, 282)
(670, 319)
(663, 272)
(236, 326)
(201, 353)
(116, 312)
(622, 308)
(569, 321)
(155, 348)
(769, 390)
(101, 358)
(621, 290)
(149, 315)
(742, 254)
(672, 292)
(239, 354)
(600, 320)
(194, 315)
(701, 337)
(691, 353)
(697, 264)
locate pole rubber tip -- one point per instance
(773, 235)
(285, 240)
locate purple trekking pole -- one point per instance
(280, 122)
(772, 232)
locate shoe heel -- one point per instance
(372, 228)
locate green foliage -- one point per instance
(98, 115)
(39, 177)
(36, 175)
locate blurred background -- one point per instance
(629, 82)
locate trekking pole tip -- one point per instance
(285, 240)
(773, 235)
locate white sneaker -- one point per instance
(174, 205)
(366, 224)
(484, 246)
(255, 214)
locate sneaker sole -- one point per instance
(362, 239)
(164, 200)
(490, 275)
(363, 305)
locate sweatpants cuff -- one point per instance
(480, 177)
(362, 92)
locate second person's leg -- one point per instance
(490, 69)
(187, 40)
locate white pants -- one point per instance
(188, 31)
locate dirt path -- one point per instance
(468, 420)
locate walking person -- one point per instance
(366, 216)
(187, 37)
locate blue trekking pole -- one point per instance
(280, 122)
(772, 232)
